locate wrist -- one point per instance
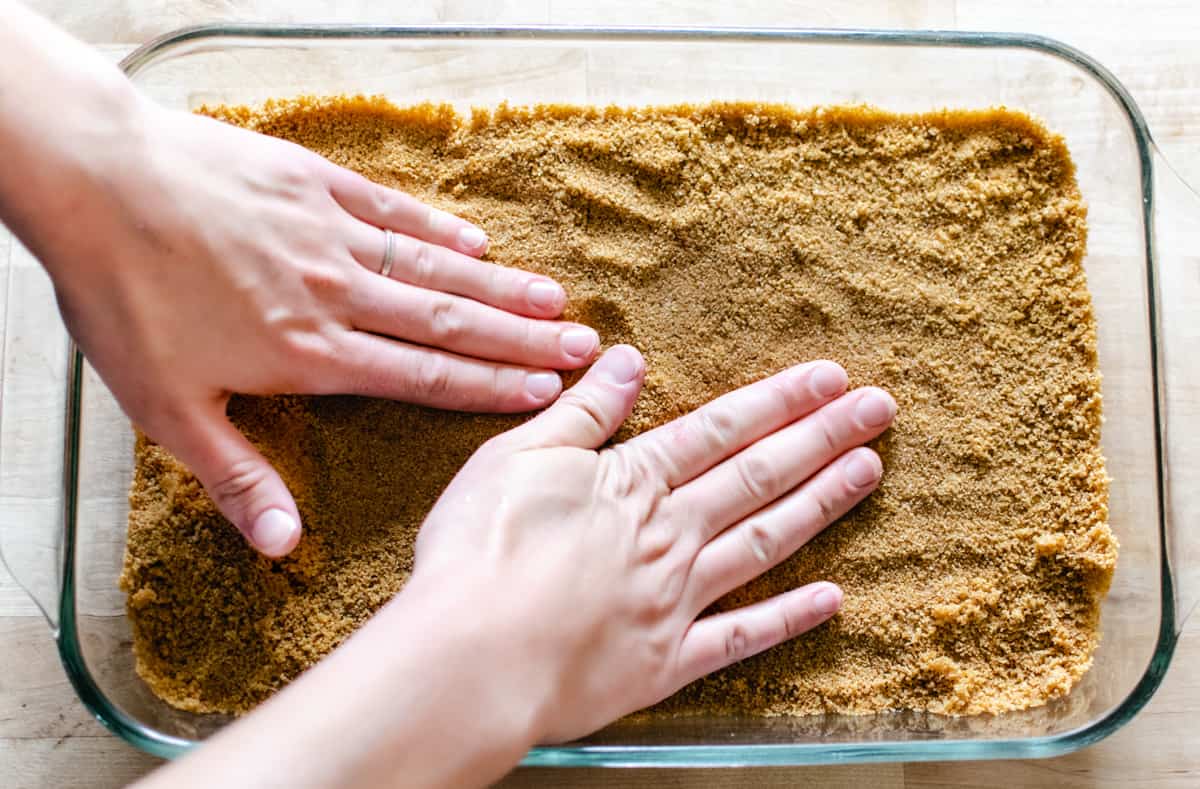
(427, 694)
(497, 683)
(414, 698)
(69, 121)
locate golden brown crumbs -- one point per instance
(936, 255)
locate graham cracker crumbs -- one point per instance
(935, 255)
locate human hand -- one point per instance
(590, 567)
(214, 260)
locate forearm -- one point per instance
(411, 700)
(66, 116)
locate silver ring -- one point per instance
(386, 268)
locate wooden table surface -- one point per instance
(48, 739)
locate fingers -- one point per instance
(467, 327)
(378, 367)
(589, 412)
(427, 265)
(694, 443)
(745, 551)
(243, 485)
(383, 207)
(763, 472)
(718, 641)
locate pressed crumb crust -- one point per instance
(935, 255)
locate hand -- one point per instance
(558, 587)
(588, 569)
(216, 260)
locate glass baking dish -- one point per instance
(63, 513)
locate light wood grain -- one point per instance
(48, 739)
(78, 761)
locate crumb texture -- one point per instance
(938, 256)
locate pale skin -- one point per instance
(192, 260)
(559, 582)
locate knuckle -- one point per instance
(312, 346)
(654, 543)
(587, 405)
(760, 543)
(293, 174)
(432, 376)
(676, 434)
(628, 474)
(505, 384)
(737, 643)
(826, 509)
(446, 324)
(757, 476)
(502, 383)
(423, 266)
(789, 391)
(790, 625)
(326, 281)
(661, 456)
(234, 487)
(385, 201)
(667, 595)
(716, 425)
(660, 645)
(827, 431)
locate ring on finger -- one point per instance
(385, 269)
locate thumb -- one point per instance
(243, 485)
(587, 414)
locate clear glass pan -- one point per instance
(64, 514)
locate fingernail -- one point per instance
(472, 237)
(827, 600)
(862, 470)
(542, 386)
(580, 342)
(828, 380)
(545, 295)
(875, 409)
(621, 365)
(273, 530)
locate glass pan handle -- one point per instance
(34, 376)
(1177, 240)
